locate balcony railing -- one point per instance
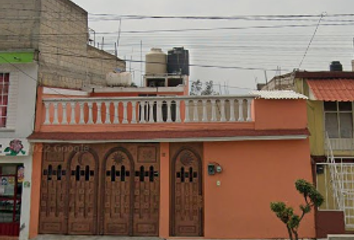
(143, 110)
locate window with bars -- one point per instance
(339, 119)
(4, 96)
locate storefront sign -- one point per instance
(14, 147)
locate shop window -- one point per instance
(4, 96)
(11, 178)
(339, 119)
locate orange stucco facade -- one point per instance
(255, 171)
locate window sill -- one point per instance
(7, 130)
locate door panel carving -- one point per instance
(101, 189)
(146, 192)
(117, 195)
(187, 196)
(83, 192)
(53, 192)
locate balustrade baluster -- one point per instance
(90, 117)
(142, 112)
(47, 115)
(65, 119)
(168, 103)
(116, 112)
(55, 116)
(178, 111)
(99, 115)
(158, 111)
(151, 111)
(240, 110)
(82, 117)
(125, 113)
(133, 112)
(213, 110)
(186, 103)
(205, 116)
(232, 110)
(249, 117)
(195, 111)
(108, 116)
(222, 118)
(72, 116)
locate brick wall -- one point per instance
(59, 30)
(19, 24)
(100, 62)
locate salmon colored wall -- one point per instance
(280, 114)
(164, 190)
(39, 110)
(254, 174)
(35, 190)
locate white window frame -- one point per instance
(338, 112)
(2, 94)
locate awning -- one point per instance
(341, 90)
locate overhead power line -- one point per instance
(313, 36)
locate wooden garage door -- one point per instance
(186, 195)
(120, 199)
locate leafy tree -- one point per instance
(286, 214)
(197, 88)
(209, 88)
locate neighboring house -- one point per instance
(167, 166)
(330, 122)
(18, 85)
(42, 43)
(58, 30)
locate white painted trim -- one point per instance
(60, 91)
(133, 89)
(12, 100)
(205, 139)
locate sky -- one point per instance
(248, 52)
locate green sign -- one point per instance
(16, 57)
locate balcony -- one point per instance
(339, 144)
(146, 110)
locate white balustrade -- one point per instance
(147, 110)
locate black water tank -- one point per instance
(336, 66)
(178, 61)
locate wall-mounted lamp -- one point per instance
(214, 168)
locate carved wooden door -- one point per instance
(117, 195)
(53, 191)
(83, 193)
(187, 196)
(146, 192)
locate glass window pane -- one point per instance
(7, 186)
(330, 106)
(8, 169)
(345, 106)
(6, 210)
(346, 125)
(332, 125)
(18, 211)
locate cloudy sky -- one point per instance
(240, 55)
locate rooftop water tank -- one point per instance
(116, 79)
(155, 62)
(178, 61)
(336, 66)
